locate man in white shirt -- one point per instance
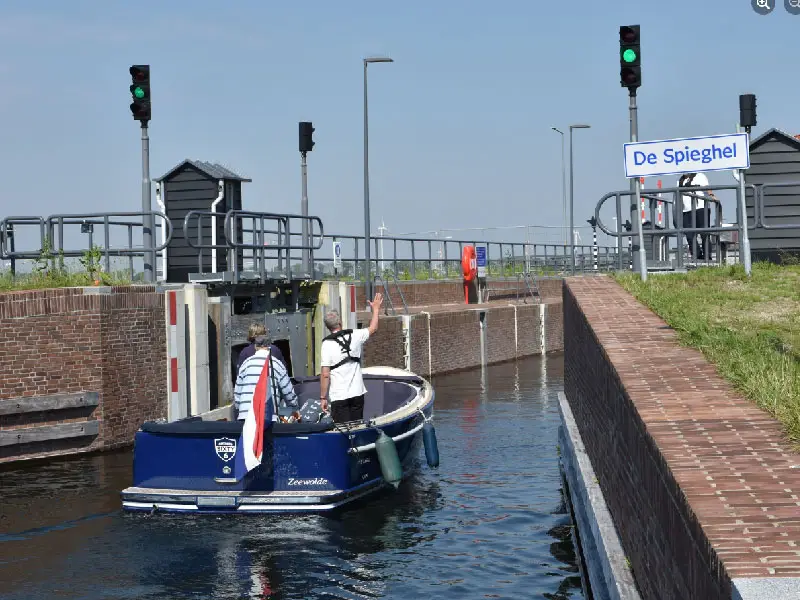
(341, 379)
(702, 212)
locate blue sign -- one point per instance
(480, 260)
(337, 255)
(687, 155)
(480, 256)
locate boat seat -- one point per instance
(382, 396)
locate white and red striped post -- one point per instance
(351, 309)
(176, 356)
(173, 346)
(644, 217)
(660, 208)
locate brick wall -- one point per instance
(662, 537)
(64, 340)
(432, 293)
(454, 340)
(500, 334)
(554, 327)
(387, 347)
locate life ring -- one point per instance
(469, 263)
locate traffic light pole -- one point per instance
(304, 211)
(147, 218)
(637, 249)
(744, 242)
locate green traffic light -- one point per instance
(629, 55)
(138, 92)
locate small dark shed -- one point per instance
(195, 185)
(775, 159)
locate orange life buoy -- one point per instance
(469, 264)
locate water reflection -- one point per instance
(490, 522)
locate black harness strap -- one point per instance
(343, 337)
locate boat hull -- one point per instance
(199, 467)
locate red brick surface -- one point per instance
(62, 340)
(697, 478)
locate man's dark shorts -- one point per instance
(351, 409)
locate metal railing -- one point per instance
(52, 243)
(269, 258)
(388, 293)
(670, 197)
(262, 246)
(759, 210)
(674, 229)
(441, 259)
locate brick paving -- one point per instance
(728, 457)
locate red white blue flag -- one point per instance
(256, 420)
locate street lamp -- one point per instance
(367, 282)
(572, 197)
(563, 181)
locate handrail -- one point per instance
(761, 210)
(389, 295)
(397, 438)
(666, 230)
(525, 277)
(278, 217)
(49, 225)
(199, 245)
(105, 220)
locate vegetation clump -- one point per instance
(748, 327)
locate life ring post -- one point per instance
(469, 268)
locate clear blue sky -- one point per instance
(459, 124)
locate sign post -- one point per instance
(337, 257)
(480, 264)
(687, 155)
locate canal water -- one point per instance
(490, 522)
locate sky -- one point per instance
(460, 123)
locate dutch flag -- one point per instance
(259, 417)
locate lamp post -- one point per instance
(563, 181)
(367, 282)
(572, 197)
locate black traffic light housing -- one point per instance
(747, 111)
(630, 57)
(140, 92)
(306, 133)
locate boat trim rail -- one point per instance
(402, 436)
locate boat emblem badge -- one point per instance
(225, 448)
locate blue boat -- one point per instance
(197, 465)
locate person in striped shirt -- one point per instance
(279, 382)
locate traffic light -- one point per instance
(630, 59)
(306, 131)
(747, 110)
(140, 91)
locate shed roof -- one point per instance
(213, 170)
(775, 134)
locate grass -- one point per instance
(748, 328)
(57, 279)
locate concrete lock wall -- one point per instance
(431, 343)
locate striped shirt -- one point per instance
(247, 379)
